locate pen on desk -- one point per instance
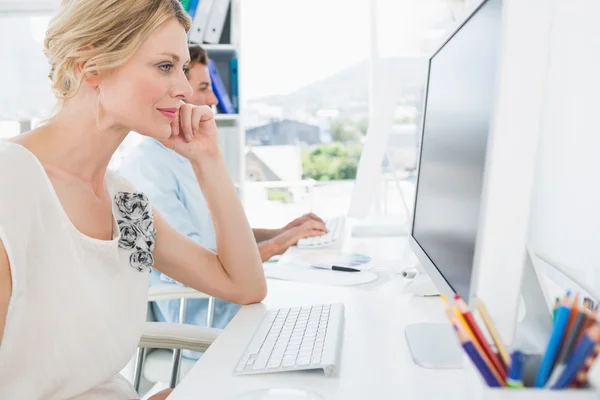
(584, 349)
(558, 331)
(493, 332)
(479, 337)
(335, 267)
(515, 373)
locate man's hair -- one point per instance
(197, 55)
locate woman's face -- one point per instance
(144, 94)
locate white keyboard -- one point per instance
(335, 226)
(293, 339)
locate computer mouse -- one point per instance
(280, 394)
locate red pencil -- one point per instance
(479, 337)
(460, 325)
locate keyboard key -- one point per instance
(243, 362)
(303, 360)
(288, 362)
(274, 363)
(258, 339)
(261, 361)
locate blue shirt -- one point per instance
(170, 183)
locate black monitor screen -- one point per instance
(458, 108)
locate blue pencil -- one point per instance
(582, 351)
(515, 373)
(480, 364)
(558, 331)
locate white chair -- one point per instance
(159, 351)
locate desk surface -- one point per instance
(375, 362)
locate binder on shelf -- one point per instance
(225, 105)
(216, 21)
(185, 4)
(192, 6)
(233, 74)
(200, 21)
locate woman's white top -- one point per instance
(78, 303)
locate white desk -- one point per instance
(375, 363)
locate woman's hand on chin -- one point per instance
(193, 132)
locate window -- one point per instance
(307, 97)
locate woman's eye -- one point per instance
(165, 67)
(186, 70)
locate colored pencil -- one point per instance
(584, 349)
(569, 342)
(476, 357)
(457, 319)
(556, 336)
(574, 307)
(493, 332)
(582, 376)
(515, 373)
(479, 337)
(556, 303)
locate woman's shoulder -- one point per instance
(19, 168)
(117, 183)
(13, 155)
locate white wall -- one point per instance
(28, 6)
(543, 171)
(565, 220)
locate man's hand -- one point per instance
(290, 236)
(305, 218)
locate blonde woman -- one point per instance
(76, 242)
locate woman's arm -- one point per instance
(5, 288)
(235, 272)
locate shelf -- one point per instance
(227, 117)
(219, 47)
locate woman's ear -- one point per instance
(91, 77)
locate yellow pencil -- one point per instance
(456, 311)
(487, 320)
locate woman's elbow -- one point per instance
(253, 295)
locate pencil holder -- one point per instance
(480, 391)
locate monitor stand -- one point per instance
(434, 345)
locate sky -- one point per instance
(288, 44)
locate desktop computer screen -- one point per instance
(456, 123)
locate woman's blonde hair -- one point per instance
(101, 35)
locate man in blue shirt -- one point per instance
(169, 181)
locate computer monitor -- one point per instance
(456, 123)
(457, 115)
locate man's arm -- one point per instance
(262, 235)
(280, 243)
